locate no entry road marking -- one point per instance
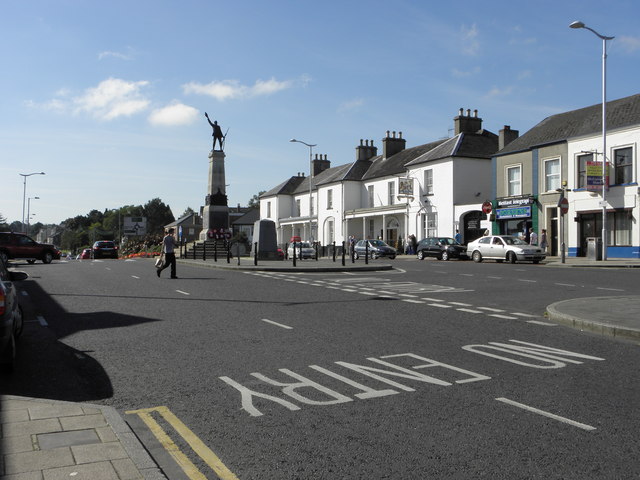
(546, 414)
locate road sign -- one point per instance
(487, 207)
(564, 205)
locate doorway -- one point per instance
(590, 226)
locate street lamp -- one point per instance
(310, 175)
(29, 210)
(578, 24)
(24, 193)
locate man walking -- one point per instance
(168, 250)
(533, 237)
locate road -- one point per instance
(433, 370)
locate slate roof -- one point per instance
(285, 188)
(584, 121)
(482, 144)
(249, 218)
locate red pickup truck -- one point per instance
(19, 245)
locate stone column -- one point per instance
(215, 215)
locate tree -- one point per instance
(254, 202)
(158, 215)
(188, 211)
(4, 226)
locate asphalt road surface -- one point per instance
(434, 370)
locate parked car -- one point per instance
(11, 319)
(19, 245)
(377, 248)
(86, 254)
(303, 250)
(105, 249)
(504, 247)
(443, 248)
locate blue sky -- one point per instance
(108, 98)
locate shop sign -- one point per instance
(513, 212)
(515, 201)
(594, 176)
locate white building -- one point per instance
(432, 189)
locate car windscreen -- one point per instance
(378, 243)
(513, 241)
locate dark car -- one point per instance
(19, 245)
(105, 249)
(11, 321)
(377, 248)
(443, 248)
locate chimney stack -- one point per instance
(467, 123)
(365, 151)
(319, 165)
(392, 145)
(506, 136)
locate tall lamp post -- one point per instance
(24, 194)
(310, 175)
(579, 24)
(29, 211)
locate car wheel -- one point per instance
(421, 255)
(355, 255)
(477, 256)
(444, 256)
(391, 257)
(31, 261)
(536, 261)
(511, 257)
(374, 256)
(48, 256)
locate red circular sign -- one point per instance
(487, 207)
(564, 205)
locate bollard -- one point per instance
(343, 253)
(255, 254)
(215, 252)
(334, 251)
(194, 250)
(286, 251)
(204, 250)
(366, 252)
(317, 244)
(352, 249)
(294, 254)
(228, 247)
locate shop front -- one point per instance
(516, 215)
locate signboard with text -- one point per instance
(513, 212)
(594, 176)
(135, 226)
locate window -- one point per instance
(513, 181)
(623, 165)
(428, 182)
(329, 199)
(268, 209)
(372, 229)
(370, 195)
(619, 224)
(392, 193)
(552, 174)
(297, 212)
(582, 169)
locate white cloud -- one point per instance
(470, 43)
(499, 92)
(174, 114)
(629, 44)
(113, 98)
(465, 73)
(108, 53)
(350, 105)
(232, 89)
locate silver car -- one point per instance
(504, 247)
(303, 250)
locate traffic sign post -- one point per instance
(487, 207)
(564, 205)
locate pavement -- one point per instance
(44, 439)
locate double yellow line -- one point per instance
(194, 442)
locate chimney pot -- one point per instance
(360, 142)
(468, 112)
(475, 113)
(399, 134)
(394, 134)
(461, 112)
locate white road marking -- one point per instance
(528, 315)
(495, 278)
(491, 309)
(408, 300)
(277, 324)
(610, 289)
(460, 304)
(407, 295)
(368, 293)
(42, 321)
(538, 322)
(546, 414)
(505, 317)
(565, 284)
(466, 274)
(432, 299)
(468, 310)
(439, 305)
(527, 280)
(183, 293)
(135, 276)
